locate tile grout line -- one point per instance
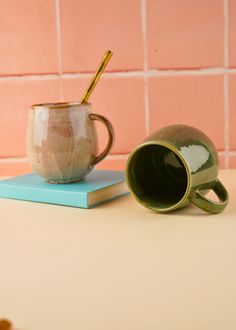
(229, 153)
(29, 77)
(13, 160)
(132, 74)
(154, 73)
(145, 65)
(184, 72)
(226, 84)
(59, 48)
(232, 153)
(118, 156)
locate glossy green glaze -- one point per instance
(176, 165)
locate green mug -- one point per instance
(174, 166)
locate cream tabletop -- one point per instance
(118, 266)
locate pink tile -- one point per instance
(232, 111)
(16, 96)
(89, 27)
(232, 161)
(11, 168)
(121, 100)
(232, 33)
(185, 34)
(28, 37)
(112, 164)
(192, 100)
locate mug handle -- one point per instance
(111, 135)
(208, 205)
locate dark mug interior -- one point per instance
(157, 176)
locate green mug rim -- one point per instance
(189, 178)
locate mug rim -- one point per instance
(189, 178)
(58, 105)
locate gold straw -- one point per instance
(96, 76)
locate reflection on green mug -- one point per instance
(176, 165)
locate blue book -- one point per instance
(98, 187)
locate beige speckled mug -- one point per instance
(62, 141)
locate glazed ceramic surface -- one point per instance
(176, 165)
(62, 141)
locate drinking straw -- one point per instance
(106, 58)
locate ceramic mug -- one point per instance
(176, 165)
(62, 141)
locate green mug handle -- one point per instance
(208, 205)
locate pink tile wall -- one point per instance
(28, 37)
(174, 62)
(190, 100)
(16, 96)
(185, 34)
(90, 26)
